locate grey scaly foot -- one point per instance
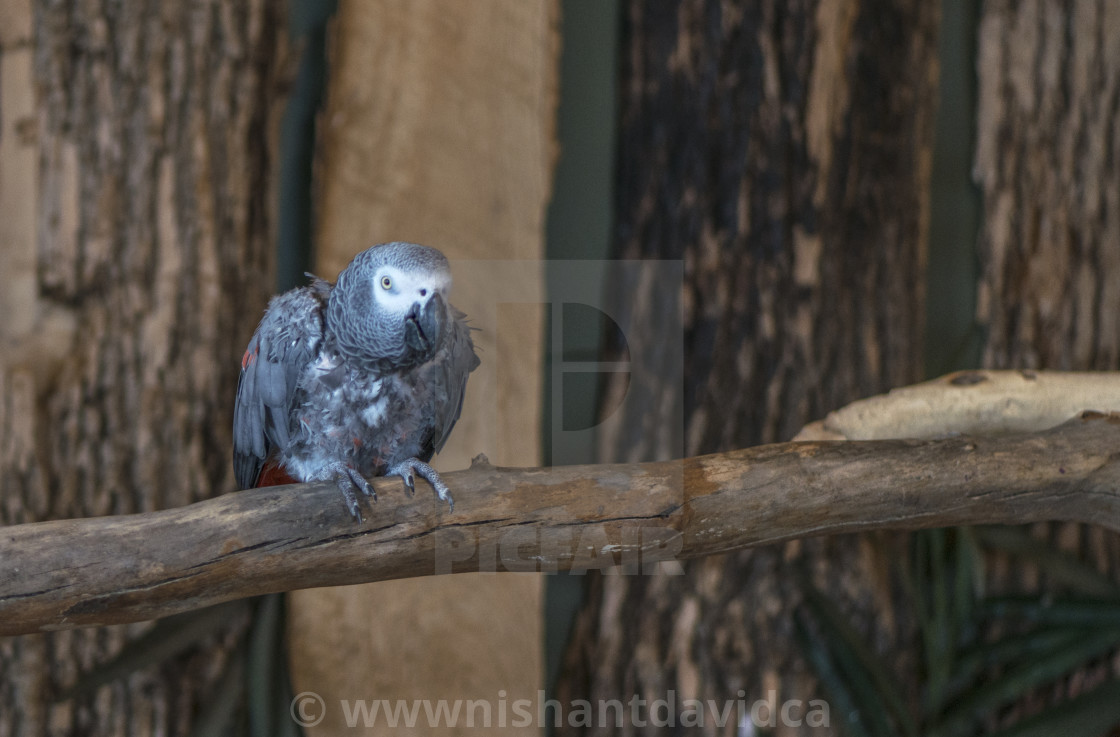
(405, 468)
(349, 482)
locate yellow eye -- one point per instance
(386, 283)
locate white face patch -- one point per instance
(396, 291)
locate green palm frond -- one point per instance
(980, 653)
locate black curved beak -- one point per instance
(424, 324)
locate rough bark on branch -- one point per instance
(105, 570)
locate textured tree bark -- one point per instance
(137, 256)
(781, 150)
(1048, 165)
(1046, 159)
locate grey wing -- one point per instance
(285, 343)
(461, 361)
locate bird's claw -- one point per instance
(405, 470)
(351, 501)
(349, 482)
(409, 483)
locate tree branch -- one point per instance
(974, 402)
(108, 570)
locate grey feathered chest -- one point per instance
(368, 421)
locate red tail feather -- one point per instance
(273, 474)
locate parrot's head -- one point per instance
(389, 307)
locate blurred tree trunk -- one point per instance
(1048, 164)
(782, 151)
(1047, 160)
(137, 256)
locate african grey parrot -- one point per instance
(356, 379)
